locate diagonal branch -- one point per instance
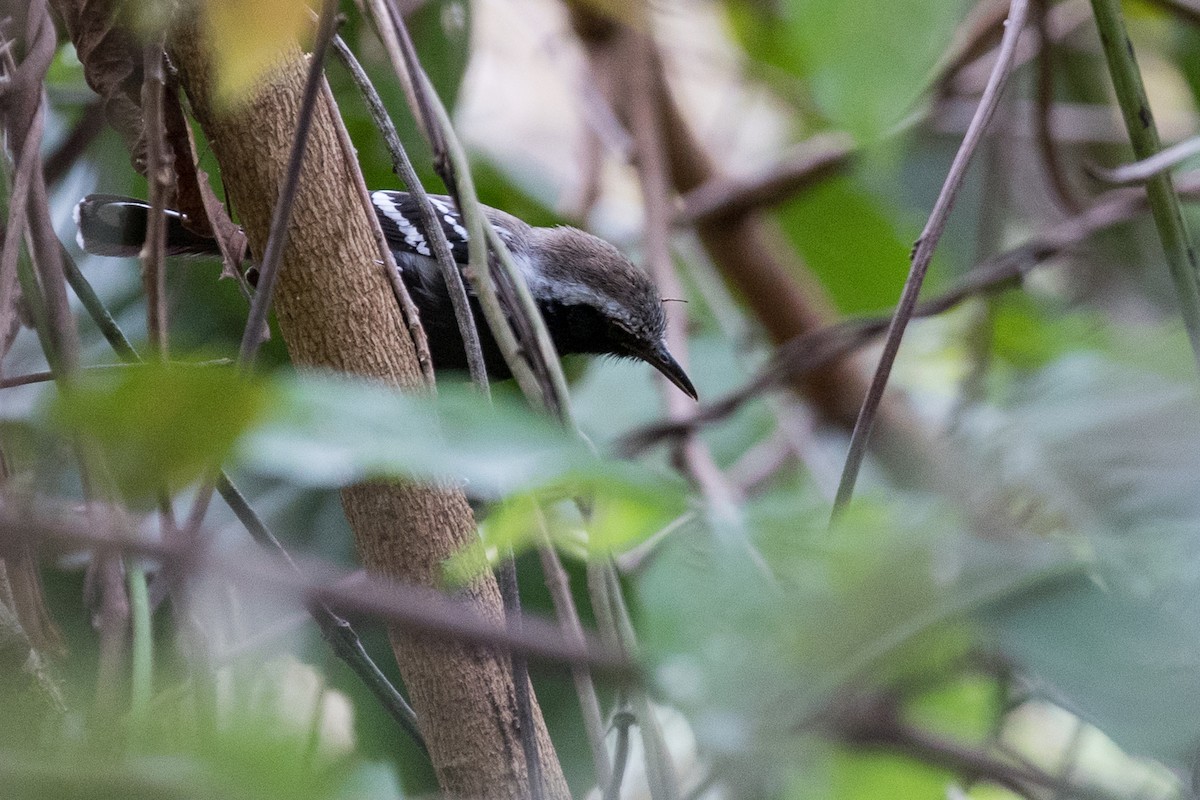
(923, 252)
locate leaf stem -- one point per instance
(142, 645)
(1160, 188)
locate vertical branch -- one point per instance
(142, 661)
(568, 618)
(638, 95)
(535, 365)
(1060, 186)
(336, 311)
(158, 179)
(340, 635)
(1160, 189)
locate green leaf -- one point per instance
(864, 65)
(1113, 452)
(1030, 334)
(761, 643)
(326, 430)
(850, 243)
(624, 509)
(159, 426)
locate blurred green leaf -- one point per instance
(865, 66)
(848, 240)
(160, 425)
(759, 644)
(1030, 334)
(325, 430)
(623, 510)
(865, 776)
(967, 709)
(1113, 451)
(271, 734)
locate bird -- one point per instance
(594, 300)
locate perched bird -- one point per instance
(594, 300)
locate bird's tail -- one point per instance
(110, 225)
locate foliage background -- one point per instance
(874, 660)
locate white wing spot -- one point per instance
(459, 230)
(412, 235)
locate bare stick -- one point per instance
(14, 232)
(1139, 172)
(408, 606)
(568, 618)
(622, 722)
(1060, 186)
(158, 180)
(811, 351)
(923, 252)
(813, 161)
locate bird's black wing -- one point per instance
(400, 216)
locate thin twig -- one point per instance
(47, 375)
(142, 639)
(547, 392)
(340, 635)
(622, 721)
(811, 162)
(532, 361)
(31, 292)
(814, 350)
(923, 252)
(568, 617)
(260, 305)
(884, 731)
(412, 317)
(158, 180)
(282, 213)
(522, 689)
(1060, 186)
(153, 255)
(411, 607)
(14, 233)
(1143, 135)
(1139, 172)
(721, 499)
(660, 770)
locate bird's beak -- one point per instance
(664, 362)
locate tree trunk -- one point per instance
(336, 310)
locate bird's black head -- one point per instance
(596, 301)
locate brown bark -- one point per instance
(336, 311)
